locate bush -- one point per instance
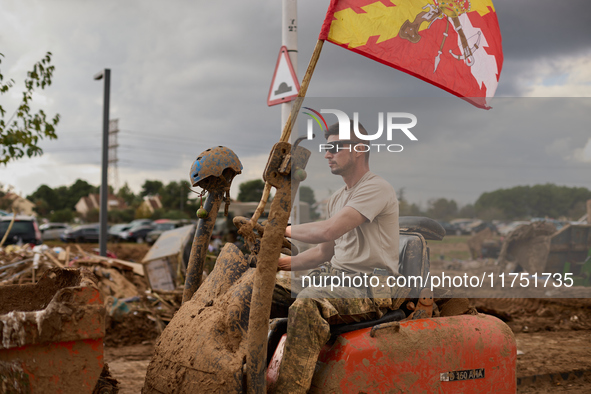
(121, 215)
(62, 215)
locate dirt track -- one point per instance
(128, 364)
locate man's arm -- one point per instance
(327, 230)
(309, 259)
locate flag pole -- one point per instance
(297, 105)
(289, 39)
(295, 109)
(265, 274)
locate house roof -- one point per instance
(92, 201)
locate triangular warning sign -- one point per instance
(284, 86)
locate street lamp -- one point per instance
(104, 196)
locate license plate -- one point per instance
(467, 374)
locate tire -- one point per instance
(139, 240)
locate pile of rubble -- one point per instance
(135, 313)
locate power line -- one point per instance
(200, 140)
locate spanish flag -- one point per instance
(453, 44)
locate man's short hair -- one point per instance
(334, 130)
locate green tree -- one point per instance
(92, 216)
(151, 188)
(490, 214)
(20, 134)
(175, 195)
(127, 195)
(547, 200)
(442, 209)
(410, 209)
(405, 208)
(142, 212)
(5, 203)
(251, 190)
(41, 207)
(45, 199)
(79, 189)
(62, 215)
(121, 215)
(49, 200)
(307, 195)
(468, 211)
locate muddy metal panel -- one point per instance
(569, 245)
(460, 354)
(161, 263)
(170, 243)
(51, 333)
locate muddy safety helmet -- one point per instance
(215, 168)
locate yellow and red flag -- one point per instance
(453, 44)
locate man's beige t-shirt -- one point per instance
(373, 244)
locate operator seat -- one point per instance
(413, 261)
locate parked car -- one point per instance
(51, 231)
(477, 227)
(24, 230)
(82, 233)
(464, 225)
(451, 229)
(116, 230)
(163, 225)
(153, 235)
(136, 234)
(138, 222)
(3, 213)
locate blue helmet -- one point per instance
(213, 162)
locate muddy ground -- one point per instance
(554, 352)
(553, 337)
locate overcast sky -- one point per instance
(190, 75)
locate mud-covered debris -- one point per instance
(528, 247)
(134, 313)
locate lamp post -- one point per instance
(104, 196)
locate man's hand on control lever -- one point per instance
(284, 263)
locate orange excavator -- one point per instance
(222, 340)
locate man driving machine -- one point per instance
(359, 239)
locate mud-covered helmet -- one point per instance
(213, 163)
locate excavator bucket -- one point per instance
(51, 334)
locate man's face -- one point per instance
(341, 161)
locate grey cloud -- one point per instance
(190, 75)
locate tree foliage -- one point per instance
(62, 215)
(251, 190)
(547, 200)
(307, 195)
(151, 188)
(121, 215)
(128, 195)
(442, 209)
(175, 195)
(21, 133)
(47, 199)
